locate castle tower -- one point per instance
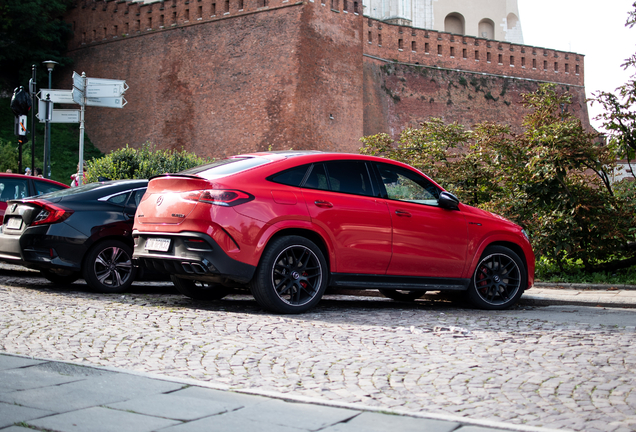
(488, 19)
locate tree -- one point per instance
(31, 31)
(619, 116)
(552, 179)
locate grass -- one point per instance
(573, 273)
(64, 144)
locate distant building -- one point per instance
(488, 19)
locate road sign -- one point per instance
(20, 125)
(104, 90)
(65, 116)
(57, 96)
(106, 102)
(41, 115)
(104, 81)
(78, 96)
(79, 82)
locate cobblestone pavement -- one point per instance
(429, 356)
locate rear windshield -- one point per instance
(72, 191)
(225, 167)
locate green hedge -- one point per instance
(142, 163)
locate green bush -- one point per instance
(142, 163)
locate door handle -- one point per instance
(402, 213)
(323, 204)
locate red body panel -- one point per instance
(360, 234)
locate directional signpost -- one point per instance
(98, 92)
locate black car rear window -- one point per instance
(225, 167)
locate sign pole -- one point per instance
(80, 179)
(33, 90)
(47, 137)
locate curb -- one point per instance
(582, 286)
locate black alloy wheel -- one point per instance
(499, 279)
(61, 277)
(108, 267)
(199, 290)
(291, 277)
(402, 295)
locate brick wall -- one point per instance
(221, 77)
(446, 50)
(401, 95)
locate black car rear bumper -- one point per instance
(42, 247)
(191, 255)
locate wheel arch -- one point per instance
(515, 247)
(316, 238)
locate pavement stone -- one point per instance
(431, 358)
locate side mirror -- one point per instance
(448, 201)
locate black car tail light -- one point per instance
(226, 198)
(50, 214)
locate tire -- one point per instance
(402, 295)
(291, 277)
(199, 290)
(60, 277)
(108, 267)
(499, 279)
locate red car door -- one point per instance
(428, 241)
(359, 225)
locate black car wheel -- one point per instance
(499, 279)
(199, 290)
(402, 295)
(291, 276)
(61, 277)
(108, 267)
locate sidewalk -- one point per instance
(65, 397)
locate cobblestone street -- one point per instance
(429, 356)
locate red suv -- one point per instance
(289, 224)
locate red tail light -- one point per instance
(226, 198)
(49, 213)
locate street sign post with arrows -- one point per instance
(97, 92)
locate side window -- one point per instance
(291, 177)
(317, 178)
(13, 189)
(119, 199)
(405, 185)
(135, 198)
(44, 187)
(349, 177)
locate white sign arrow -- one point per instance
(79, 82)
(106, 102)
(65, 116)
(57, 96)
(104, 90)
(78, 96)
(105, 81)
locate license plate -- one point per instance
(14, 223)
(158, 244)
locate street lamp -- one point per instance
(50, 65)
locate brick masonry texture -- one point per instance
(220, 77)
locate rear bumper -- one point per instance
(191, 255)
(39, 248)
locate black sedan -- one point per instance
(77, 232)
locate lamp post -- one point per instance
(50, 65)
